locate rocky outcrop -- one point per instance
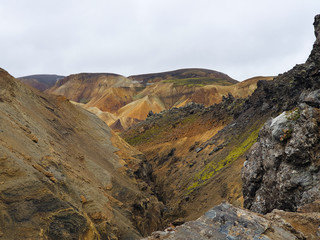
(228, 222)
(282, 169)
(283, 93)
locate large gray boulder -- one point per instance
(282, 168)
(227, 222)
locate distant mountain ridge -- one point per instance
(185, 73)
(41, 81)
(123, 101)
(127, 100)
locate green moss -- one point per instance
(199, 82)
(139, 92)
(84, 100)
(137, 96)
(139, 89)
(155, 132)
(190, 119)
(149, 134)
(213, 168)
(293, 115)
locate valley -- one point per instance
(185, 154)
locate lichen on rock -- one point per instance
(282, 174)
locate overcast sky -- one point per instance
(240, 38)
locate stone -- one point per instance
(284, 174)
(313, 98)
(227, 222)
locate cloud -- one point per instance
(241, 38)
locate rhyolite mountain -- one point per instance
(41, 82)
(121, 102)
(190, 75)
(65, 175)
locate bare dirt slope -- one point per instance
(64, 174)
(85, 86)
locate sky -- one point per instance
(243, 39)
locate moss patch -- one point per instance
(84, 100)
(212, 168)
(293, 115)
(138, 94)
(164, 126)
(199, 82)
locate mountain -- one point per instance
(65, 174)
(186, 76)
(41, 82)
(177, 95)
(84, 87)
(260, 152)
(126, 101)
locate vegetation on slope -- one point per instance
(188, 154)
(242, 145)
(155, 132)
(187, 73)
(199, 82)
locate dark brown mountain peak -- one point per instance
(86, 77)
(187, 73)
(41, 81)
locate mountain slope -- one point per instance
(196, 154)
(41, 82)
(188, 76)
(131, 99)
(112, 99)
(65, 175)
(179, 95)
(139, 109)
(84, 86)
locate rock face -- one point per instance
(282, 169)
(85, 87)
(65, 175)
(227, 222)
